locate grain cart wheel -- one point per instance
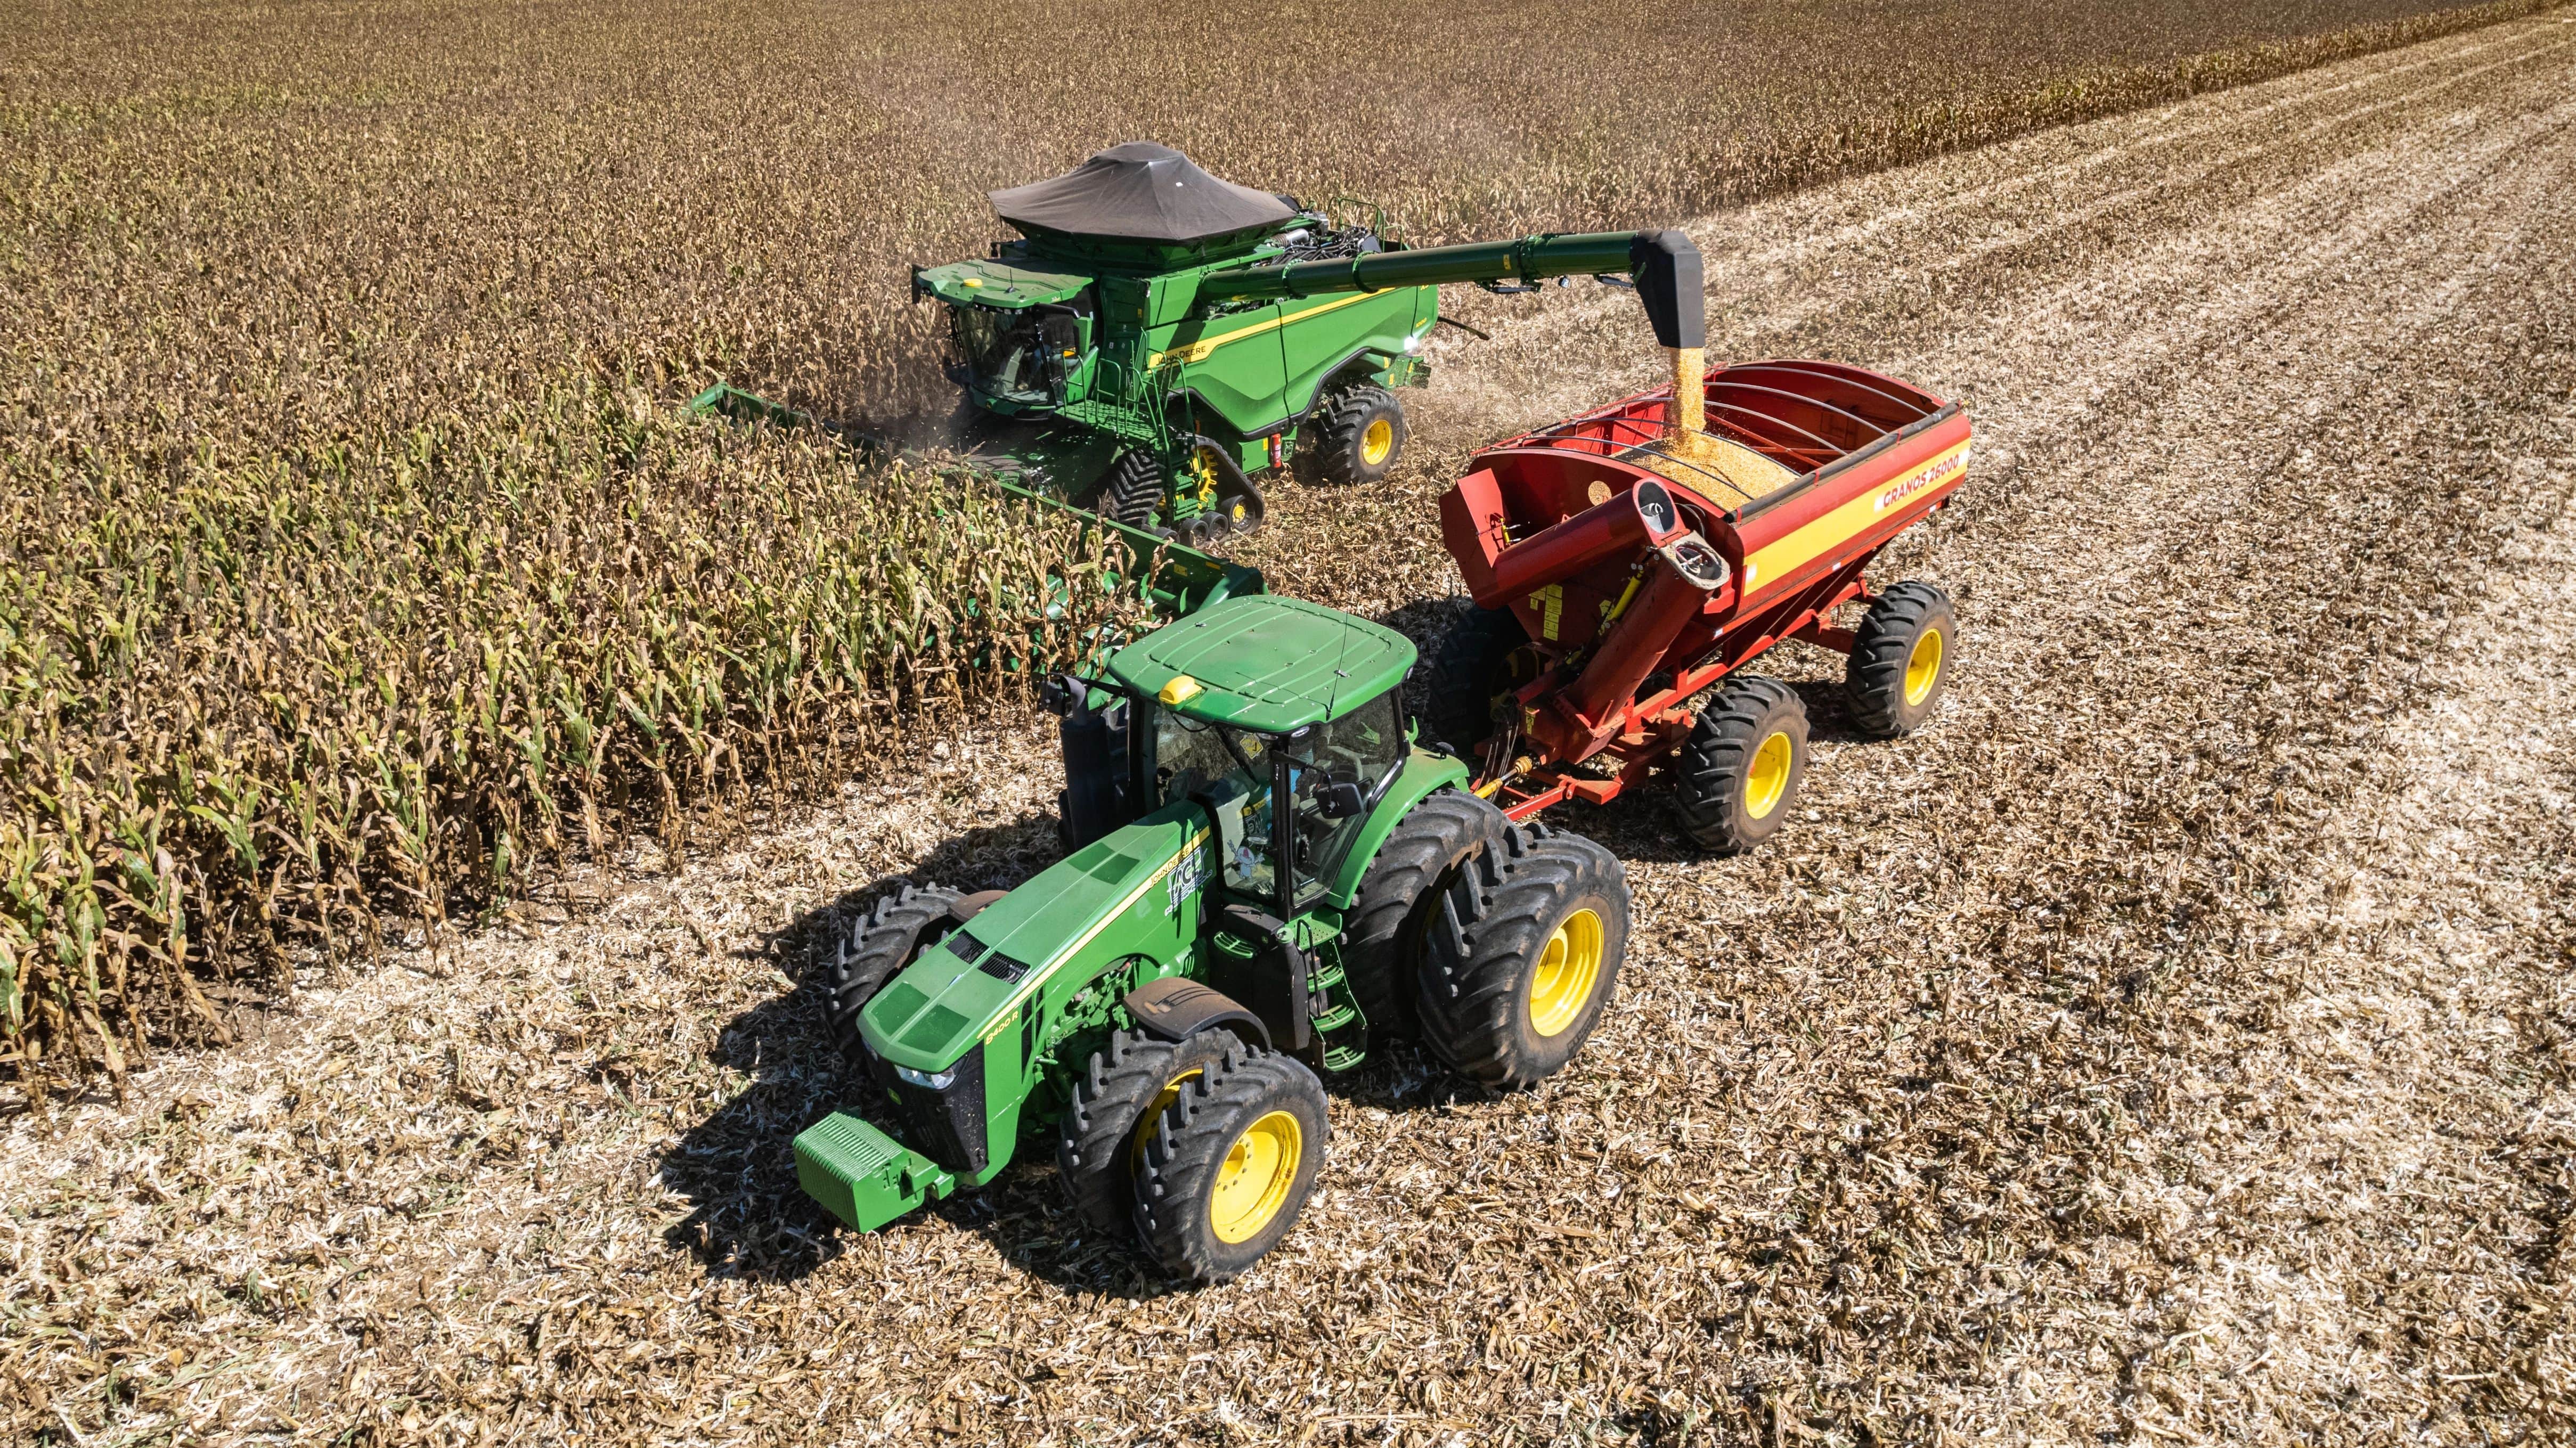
(881, 942)
(1900, 660)
(1131, 492)
(1117, 1099)
(1483, 656)
(1399, 895)
(1525, 954)
(1363, 434)
(1230, 1164)
(1742, 765)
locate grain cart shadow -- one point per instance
(737, 1168)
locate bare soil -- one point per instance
(2172, 1043)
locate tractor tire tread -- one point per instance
(1110, 1097)
(1398, 895)
(878, 944)
(1874, 680)
(1189, 1144)
(1495, 919)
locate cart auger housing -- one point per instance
(1265, 876)
(1625, 561)
(1157, 341)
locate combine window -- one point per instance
(1022, 356)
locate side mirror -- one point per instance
(1341, 800)
(1060, 695)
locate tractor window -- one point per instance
(1228, 771)
(1017, 356)
(1364, 747)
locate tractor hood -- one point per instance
(996, 284)
(1265, 663)
(1119, 894)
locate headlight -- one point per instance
(926, 1080)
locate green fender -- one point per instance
(1426, 771)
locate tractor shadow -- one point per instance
(736, 1169)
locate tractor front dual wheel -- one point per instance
(1746, 756)
(1900, 660)
(1525, 954)
(892, 935)
(1362, 428)
(1229, 1164)
(1120, 1094)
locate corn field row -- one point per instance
(355, 562)
(247, 713)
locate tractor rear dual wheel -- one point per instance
(1399, 896)
(1525, 954)
(892, 935)
(1229, 1164)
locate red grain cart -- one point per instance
(1625, 560)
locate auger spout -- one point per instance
(1664, 267)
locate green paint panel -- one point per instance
(1268, 663)
(942, 1004)
(1425, 772)
(999, 284)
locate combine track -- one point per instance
(2171, 1044)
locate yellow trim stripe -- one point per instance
(1200, 350)
(1037, 977)
(1791, 551)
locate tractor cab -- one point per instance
(1283, 720)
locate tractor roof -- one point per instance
(1139, 192)
(1267, 663)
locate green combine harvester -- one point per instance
(1158, 341)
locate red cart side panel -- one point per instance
(1850, 512)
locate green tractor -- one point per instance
(1267, 879)
(1157, 341)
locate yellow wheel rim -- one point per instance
(1567, 971)
(1923, 666)
(1768, 779)
(1376, 441)
(1252, 1182)
(1170, 1093)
